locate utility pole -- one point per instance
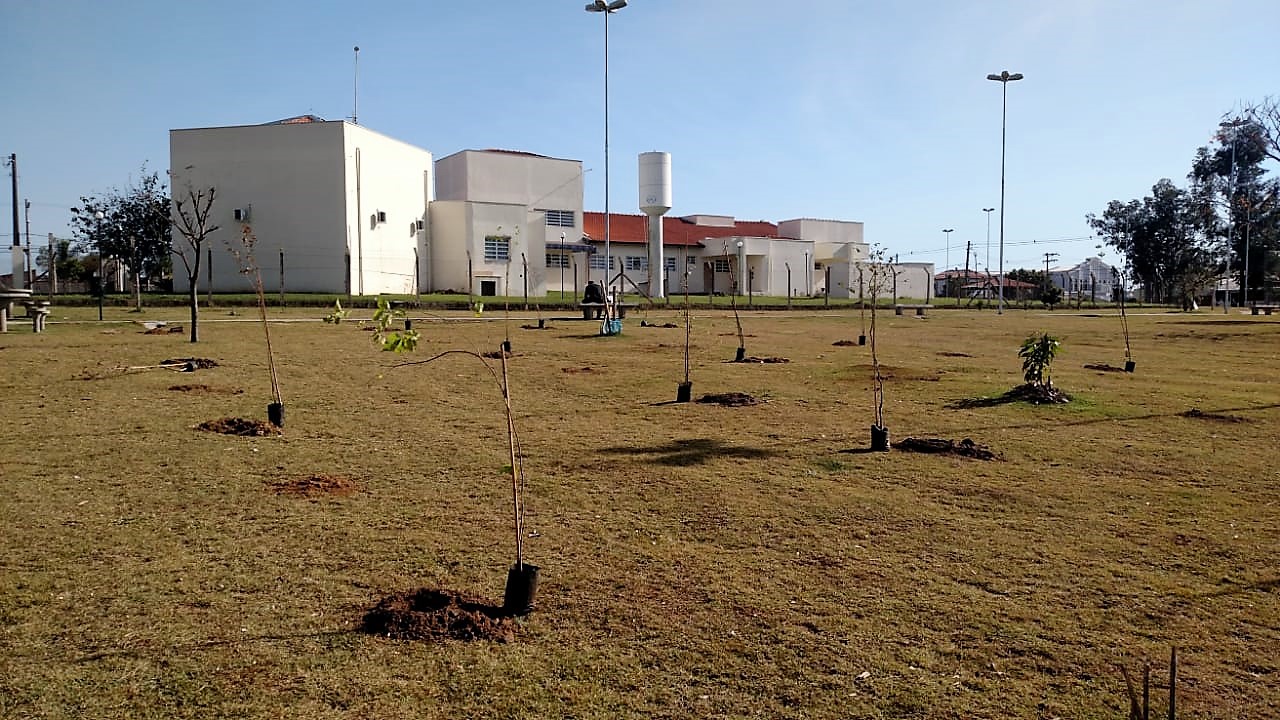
(31, 266)
(968, 248)
(1047, 257)
(17, 237)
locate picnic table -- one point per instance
(36, 310)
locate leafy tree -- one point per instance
(134, 228)
(1165, 238)
(1033, 277)
(71, 266)
(1050, 295)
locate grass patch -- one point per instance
(696, 560)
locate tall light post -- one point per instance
(102, 277)
(946, 265)
(1234, 127)
(987, 264)
(606, 9)
(1004, 78)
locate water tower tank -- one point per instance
(655, 182)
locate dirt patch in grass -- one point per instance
(497, 354)
(239, 426)
(732, 399)
(946, 353)
(890, 372)
(844, 343)
(941, 446)
(656, 325)
(163, 330)
(190, 364)
(1103, 367)
(1198, 414)
(765, 360)
(734, 334)
(433, 615)
(201, 389)
(316, 485)
(537, 327)
(581, 370)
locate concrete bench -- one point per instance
(1264, 309)
(897, 309)
(38, 312)
(590, 310)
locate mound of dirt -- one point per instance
(1103, 367)
(536, 327)
(163, 330)
(733, 399)
(734, 334)
(965, 448)
(201, 388)
(844, 343)
(575, 371)
(754, 359)
(240, 426)
(191, 364)
(497, 354)
(954, 354)
(431, 615)
(316, 485)
(656, 325)
(1197, 414)
(1038, 394)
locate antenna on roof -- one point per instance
(355, 89)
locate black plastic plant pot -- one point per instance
(879, 439)
(684, 392)
(506, 346)
(741, 356)
(542, 324)
(408, 324)
(1129, 365)
(522, 589)
(862, 339)
(275, 414)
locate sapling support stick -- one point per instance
(515, 474)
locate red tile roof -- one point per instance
(675, 231)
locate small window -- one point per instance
(557, 260)
(669, 263)
(721, 265)
(691, 260)
(560, 218)
(497, 248)
(597, 261)
(635, 262)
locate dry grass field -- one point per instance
(697, 560)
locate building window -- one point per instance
(497, 248)
(635, 262)
(560, 218)
(669, 263)
(691, 260)
(557, 260)
(597, 261)
(720, 265)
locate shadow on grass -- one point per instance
(692, 452)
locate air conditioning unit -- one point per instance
(241, 214)
(382, 216)
(421, 224)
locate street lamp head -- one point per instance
(98, 215)
(987, 210)
(1005, 76)
(948, 229)
(604, 7)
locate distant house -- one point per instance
(1088, 280)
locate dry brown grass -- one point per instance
(698, 561)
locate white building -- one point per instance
(335, 207)
(338, 208)
(1088, 280)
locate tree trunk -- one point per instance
(137, 290)
(193, 296)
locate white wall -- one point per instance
(299, 183)
(291, 176)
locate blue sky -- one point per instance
(870, 111)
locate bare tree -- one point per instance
(1265, 115)
(193, 210)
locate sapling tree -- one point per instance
(522, 577)
(1037, 353)
(733, 303)
(193, 219)
(880, 276)
(247, 260)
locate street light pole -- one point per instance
(987, 264)
(1234, 126)
(607, 9)
(102, 277)
(946, 232)
(1004, 78)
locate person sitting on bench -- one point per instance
(594, 294)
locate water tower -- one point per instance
(655, 201)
